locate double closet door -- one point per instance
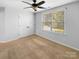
(2, 22)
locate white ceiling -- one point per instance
(49, 3)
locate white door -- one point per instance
(25, 25)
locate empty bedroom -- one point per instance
(39, 29)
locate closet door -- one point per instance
(2, 22)
(26, 24)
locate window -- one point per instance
(53, 21)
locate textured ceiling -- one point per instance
(49, 3)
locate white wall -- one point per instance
(16, 23)
(71, 35)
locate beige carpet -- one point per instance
(35, 47)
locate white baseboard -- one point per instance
(9, 40)
(16, 38)
(66, 45)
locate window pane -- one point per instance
(54, 21)
(58, 21)
(47, 21)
